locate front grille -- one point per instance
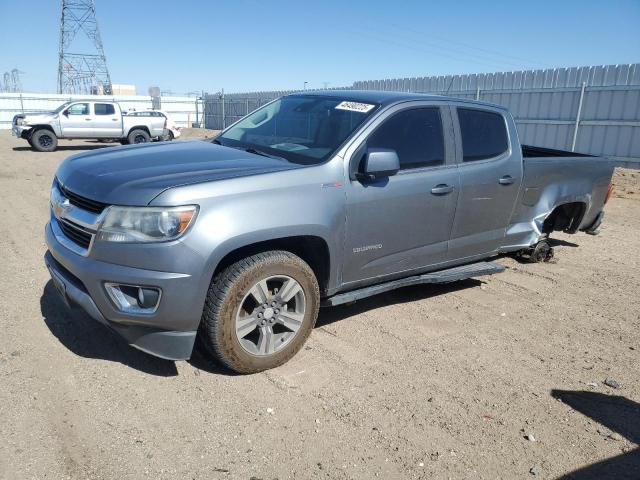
(76, 234)
(82, 202)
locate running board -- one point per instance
(442, 276)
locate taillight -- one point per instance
(609, 192)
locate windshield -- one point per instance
(301, 129)
(61, 107)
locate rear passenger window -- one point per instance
(484, 134)
(416, 135)
(104, 109)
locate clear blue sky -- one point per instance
(243, 45)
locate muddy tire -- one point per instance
(138, 136)
(43, 140)
(259, 311)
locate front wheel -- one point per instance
(43, 140)
(259, 311)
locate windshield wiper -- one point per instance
(260, 152)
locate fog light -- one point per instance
(133, 298)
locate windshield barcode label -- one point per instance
(355, 106)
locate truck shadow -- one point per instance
(70, 148)
(89, 339)
(616, 413)
(413, 293)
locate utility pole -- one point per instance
(83, 73)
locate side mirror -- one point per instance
(66, 113)
(379, 163)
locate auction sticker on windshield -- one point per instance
(355, 106)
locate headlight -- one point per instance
(146, 224)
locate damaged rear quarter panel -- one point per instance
(551, 182)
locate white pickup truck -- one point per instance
(86, 119)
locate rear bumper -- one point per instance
(169, 332)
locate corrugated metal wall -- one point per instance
(181, 109)
(545, 104)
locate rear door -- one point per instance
(402, 223)
(490, 177)
(107, 120)
(76, 121)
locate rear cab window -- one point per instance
(484, 134)
(104, 109)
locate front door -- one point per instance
(75, 121)
(490, 178)
(402, 223)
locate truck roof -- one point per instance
(386, 98)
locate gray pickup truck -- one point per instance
(313, 199)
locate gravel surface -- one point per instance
(502, 377)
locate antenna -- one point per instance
(83, 73)
(450, 84)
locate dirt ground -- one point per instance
(501, 377)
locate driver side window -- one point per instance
(78, 109)
(416, 135)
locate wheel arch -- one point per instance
(313, 249)
(139, 127)
(35, 128)
(565, 217)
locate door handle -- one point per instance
(87, 119)
(506, 180)
(442, 189)
(114, 119)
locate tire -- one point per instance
(167, 137)
(43, 140)
(244, 335)
(138, 136)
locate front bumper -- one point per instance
(169, 332)
(20, 131)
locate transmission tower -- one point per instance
(12, 82)
(83, 73)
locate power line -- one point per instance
(469, 46)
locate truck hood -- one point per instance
(136, 174)
(37, 117)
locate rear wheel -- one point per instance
(138, 136)
(44, 140)
(540, 252)
(167, 137)
(259, 311)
